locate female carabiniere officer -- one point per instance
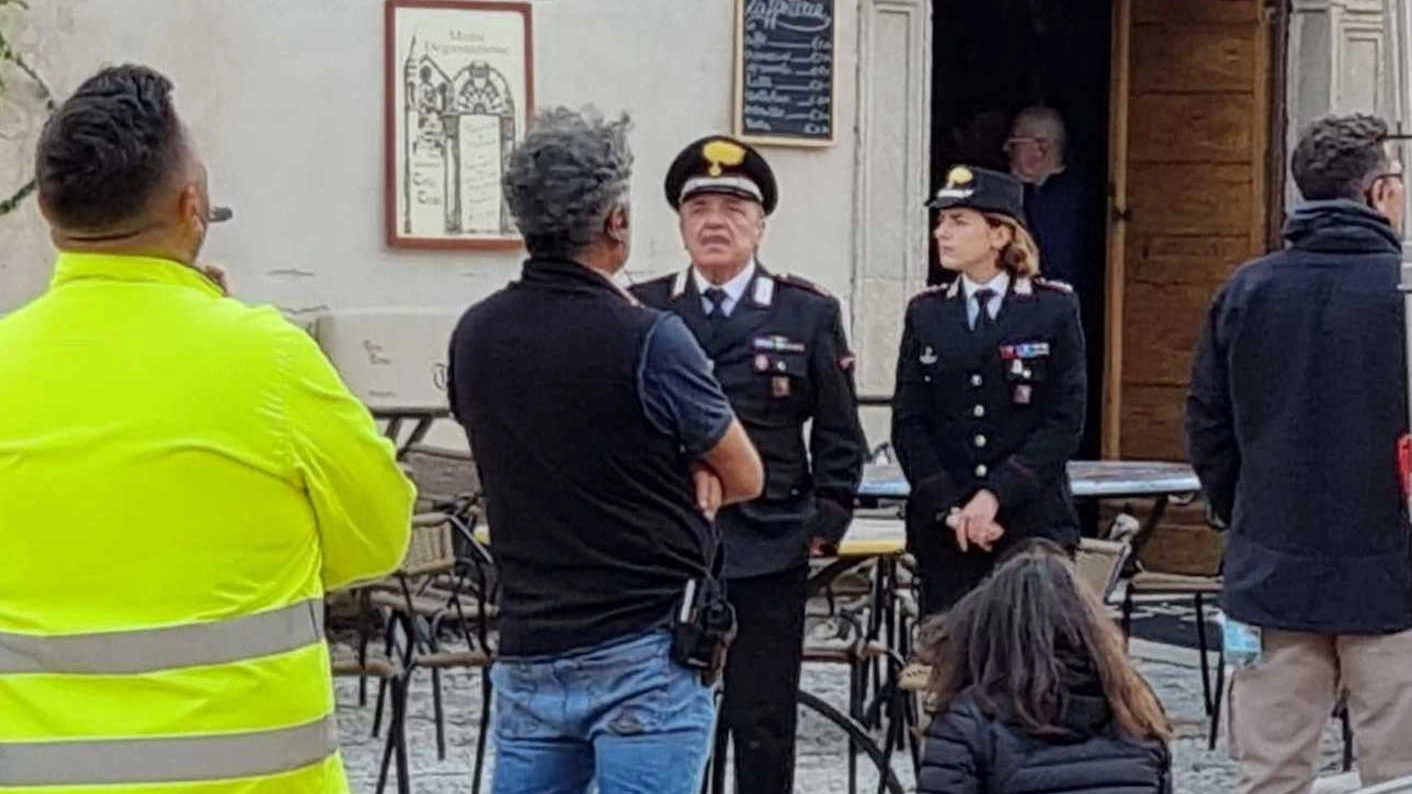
(990, 393)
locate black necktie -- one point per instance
(983, 318)
(717, 298)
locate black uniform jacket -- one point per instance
(782, 359)
(999, 409)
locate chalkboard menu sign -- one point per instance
(784, 69)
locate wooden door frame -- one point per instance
(1268, 177)
(1120, 84)
(1277, 15)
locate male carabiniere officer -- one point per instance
(779, 352)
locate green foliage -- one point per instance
(9, 57)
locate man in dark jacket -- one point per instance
(778, 350)
(1297, 403)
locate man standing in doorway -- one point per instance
(779, 352)
(605, 447)
(1069, 236)
(1056, 201)
(1298, 401)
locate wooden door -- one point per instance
(1190, 127)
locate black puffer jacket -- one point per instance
(967, 752)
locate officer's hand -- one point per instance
(831, 521)
(709, 491)
(217, 275)
(957, 523)
(970, 532)
(985, 536)
(975, 523)
(822, 547)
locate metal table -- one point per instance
(1088, 479)
(423, 418)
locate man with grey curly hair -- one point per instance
(566, 179)
(1297, 407)
(605, 447)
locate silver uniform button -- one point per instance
(979, 411)
(927, 378)
(980, 441)
(981, 470)
(977, 381)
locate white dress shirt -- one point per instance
(735, 288)
(999, 285)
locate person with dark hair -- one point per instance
(1297, 404)
(989, 403)
(605, 447)
(1033, 691)
(184, 478)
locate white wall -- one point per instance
(1342, 59)
(286, 101)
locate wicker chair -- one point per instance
(1100, 564)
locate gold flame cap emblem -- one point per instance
(721, 154)
(960, 176)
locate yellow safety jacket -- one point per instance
(181, 479)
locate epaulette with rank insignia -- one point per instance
(1057, 286)
(935, 289)
(796, 281)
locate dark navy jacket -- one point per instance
(1298, 398)
(1057, 213)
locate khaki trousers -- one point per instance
(1278, 708)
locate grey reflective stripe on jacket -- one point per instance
(185, 759)
(153, 760)
(151, 650)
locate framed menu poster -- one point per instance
(786, 88)
(459, 94)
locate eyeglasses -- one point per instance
(1011, 143)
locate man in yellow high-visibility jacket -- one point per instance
(181, 479)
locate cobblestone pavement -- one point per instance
(822, 766)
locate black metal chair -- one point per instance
(350, 663)
(447, 582)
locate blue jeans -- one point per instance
(624, 716)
